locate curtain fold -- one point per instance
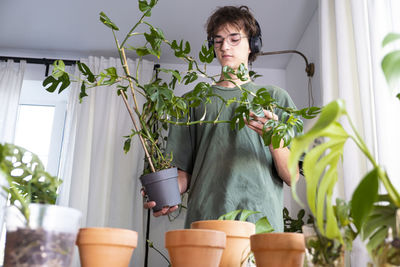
(11, 78)
(101, 180)
(351, 33)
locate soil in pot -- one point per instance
(37, 247)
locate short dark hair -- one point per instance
(240, 17)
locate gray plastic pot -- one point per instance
(162, 187)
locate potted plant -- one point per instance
(163, 107)
(39, 233)
(372, 214)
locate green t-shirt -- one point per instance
(231, 169)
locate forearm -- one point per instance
(281, 160)
(183, 181)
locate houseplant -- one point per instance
(372, 214)
(161, 105)
(39, 233)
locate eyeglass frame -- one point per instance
(227, 38)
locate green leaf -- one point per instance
(107, 21)
(83, 93)
(58, 69)
(391, 68)
(320, 166)
(246, 213)
(206, 55)
(84, 69)
(63, 82)
(174, 73)
(127, 145)
(263, 226)
(230, 215)
(391, 37)
(398, 96)
(364, 198)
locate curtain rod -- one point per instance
(45, 61)
(48, 61)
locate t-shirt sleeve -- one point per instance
(179, 143)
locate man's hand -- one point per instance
(279, 155)
(257, 123)
(183, 181)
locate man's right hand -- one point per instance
(183, 181)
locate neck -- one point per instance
(233, 82)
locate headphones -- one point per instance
(255, 42)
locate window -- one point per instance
(40, 123)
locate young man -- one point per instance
(227, 170)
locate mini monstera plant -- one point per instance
(372, 215)
(162, 106)
(27, 180)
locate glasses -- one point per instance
(233, 39)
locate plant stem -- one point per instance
(136, 129)
(392, 192)
(133, 28)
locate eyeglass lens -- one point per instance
(232, 39)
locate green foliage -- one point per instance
(323, 251)
(294, 225)
(391, 63)
(320, 169)
(206, 55)
(107, 21)
(58, 79)
(28, 182)
(262, 224)
(162, 106)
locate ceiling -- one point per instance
(72, 27)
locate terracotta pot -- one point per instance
(105, 247)
(195, 248)
(278, 249)
(237, 239)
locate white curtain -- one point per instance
(351, 34)
(11, 77)
(99, 178)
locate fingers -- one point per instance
(165, 211)
(152, 204)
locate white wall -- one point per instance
(297, 86)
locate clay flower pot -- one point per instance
(195, 248)
(278, 249)
(105, 247)
(237, 239)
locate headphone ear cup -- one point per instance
(256, 41)
(255, 44)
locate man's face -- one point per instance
(231, 46)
